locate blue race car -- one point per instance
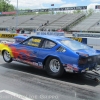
(53, 54)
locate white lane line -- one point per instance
(1, 91)
(16, 95)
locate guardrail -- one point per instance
(88, 41)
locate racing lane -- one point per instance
(21, 82)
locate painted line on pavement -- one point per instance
(16, 95)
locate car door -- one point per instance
(27, 51)
(48, 47)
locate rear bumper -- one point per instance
(80, 69)
(87, 67)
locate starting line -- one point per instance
(15, 95)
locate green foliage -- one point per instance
(6, 6)
(90, 11)
(77, 11)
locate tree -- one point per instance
(77, 11)
(6, 6)
(90, 11)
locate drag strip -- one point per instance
(35, 84)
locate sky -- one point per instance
(40, 4)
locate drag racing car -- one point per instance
(56, 55)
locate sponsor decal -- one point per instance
(77, 39)
(50, 33)
(85, 34)
(40, 64)
(56, 9)
(16, 59)
(75, 67)
(87, 69)
(34, 42)
(83, 71)
(35, 64)
(70, 68)
(8, 35)
(9, 13)
(37, 40)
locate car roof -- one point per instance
(53, 38)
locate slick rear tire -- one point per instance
(54, 67)
(7, 57)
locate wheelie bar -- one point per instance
(93, 76)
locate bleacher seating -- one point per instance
(4, 18)
(12, 21)
(57, 21)
(91, 23)
(64, 21)
(40, 19)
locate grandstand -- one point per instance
(90, 24)
(56, 21)
(64, 21)
(4, 19)
(10, 21)
(39, 20)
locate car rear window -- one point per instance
(74, 45)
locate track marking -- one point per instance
(16, 95)
(1, 91)
(75, 95)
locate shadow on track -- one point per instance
(67, 77)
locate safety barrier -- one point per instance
(88, 40)
(82, 40)
(85, 40)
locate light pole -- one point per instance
(17, 15)
(52, 7)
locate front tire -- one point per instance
(7, 57)
(54, 67)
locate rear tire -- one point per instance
(7, 57)
(54, 67)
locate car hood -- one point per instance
(87, 52)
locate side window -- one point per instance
(48, 44)
(32, 42)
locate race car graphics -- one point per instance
(42, 52)
(70, 68)
(21, 54)
(5, 47)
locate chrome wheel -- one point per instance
(54, 65)
(7, 56)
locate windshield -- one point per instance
(74, 45)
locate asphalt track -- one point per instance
(22, 82)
